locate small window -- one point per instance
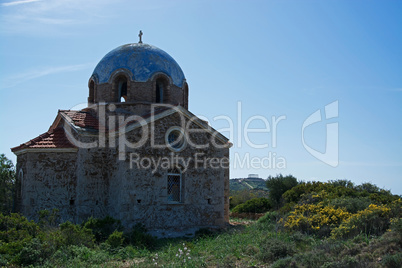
(122, 91)
(120, 87)
(159, 92)
(174, 185)
(175, 139)
(161, 89)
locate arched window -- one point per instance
(91, 98)
(161, 90)
(121, 87)
(174, 185)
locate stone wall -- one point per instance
(49, 181)
(94, 182)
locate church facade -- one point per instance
(136, 153)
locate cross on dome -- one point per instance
(140, 36)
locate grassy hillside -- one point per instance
(247, 184)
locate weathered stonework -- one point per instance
(87, 166)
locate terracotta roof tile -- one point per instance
(82, 119)
(56, 138)
(85, 119)
(52, 139)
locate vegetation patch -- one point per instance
(255, 205)
(300, 224)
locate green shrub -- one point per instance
(342, 183)
(128, 252)
(242, 196)
(49, 219)
(396, 225)
(301, 241)
(368, 187)
(51, 240)
(102, 228)
(74, 234)
(116, 239)
(3, 260)
(77, 256)
(272, 249)
(396, 208)
(15, 232)
(383, 197)
(7, 184)
(352, 205)
(16, 222)
(33, 252)
(278, 185)
(269, 217)
(138, 237)
(256, 205)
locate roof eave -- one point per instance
(43, 150)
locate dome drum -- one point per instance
(138, 73)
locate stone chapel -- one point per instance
(136, 153)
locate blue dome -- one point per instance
(142, 60)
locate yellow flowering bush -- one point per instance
(313, 217)
(374, 220)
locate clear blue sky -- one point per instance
(277, 58)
